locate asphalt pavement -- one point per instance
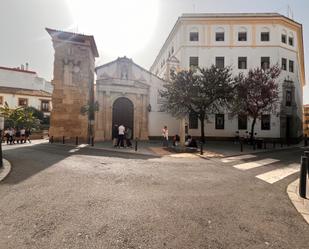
(72, 197)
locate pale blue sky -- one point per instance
(24, 39)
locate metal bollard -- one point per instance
(306, 141)
(274, 144)
(135, 144)
(63, 140)
(264, 145)
(241, 146)
(76, 140)
(92, 141)
(254, 145)
(281, 143)
(306, 153)
(303, 177)
(202, 149)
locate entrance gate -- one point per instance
(123, 113)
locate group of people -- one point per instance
(121, 136)
(189, 141)
(16, 135)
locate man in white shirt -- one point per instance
(165, 136)
(121, 130)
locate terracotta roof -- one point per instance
(17, 70)
(64, 35)
(22, 91)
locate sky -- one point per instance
(133, 28)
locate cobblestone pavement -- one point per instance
(67, 197)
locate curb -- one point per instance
(5, 170)
(300, 204)
(109, 150)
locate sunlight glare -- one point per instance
(120, 27)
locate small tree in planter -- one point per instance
(256, 93)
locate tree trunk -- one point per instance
(252, 130)
(202, 119)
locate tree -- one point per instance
(198, 92)
(256, 93)
(90, 110)
(19, 117)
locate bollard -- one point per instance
(202, 151)
(281, 143)
(135, 144)
(303, 177)
(306, 141)
(92, 141)
(274, 144)
(264, 145)
(241, 146)
(52, 139)
(63, 140)
(76, 140)
(254, 145)
(306, 153)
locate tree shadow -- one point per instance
(28, 161)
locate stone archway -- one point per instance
(123, 113)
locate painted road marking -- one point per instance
(255, 164)
(236, 158)
(278, 174)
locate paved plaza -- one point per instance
(73, 197)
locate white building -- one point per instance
(242, 41)
(128, 94)
(21, 87)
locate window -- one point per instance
(265, 61)
(283, 38)
(193, 61)
(264, 36)
(220, 62)
(219, 36)
(291, 41)
(242, 122)
(1, 100)
(45, 105)
(193, 121)
(242, 36)
(283, 64)
(265, 122)
(22, 102)
(219, 121)
(291, 66)
(193, 36)
(288, 98)
(242, 62)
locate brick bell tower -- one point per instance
(73, 81)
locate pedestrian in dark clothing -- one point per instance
(27, 135)
(128, 136)
(115, 135)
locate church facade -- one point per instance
(128, 94)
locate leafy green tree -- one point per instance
(200, 92)
(19, 117)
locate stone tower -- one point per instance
(73, 83)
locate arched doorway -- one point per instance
(123, 113)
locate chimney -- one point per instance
(27, 65)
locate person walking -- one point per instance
(120, 141)
(22, 135)
(27, 135)
(165, 136)
(115, 135)
(128, 136)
